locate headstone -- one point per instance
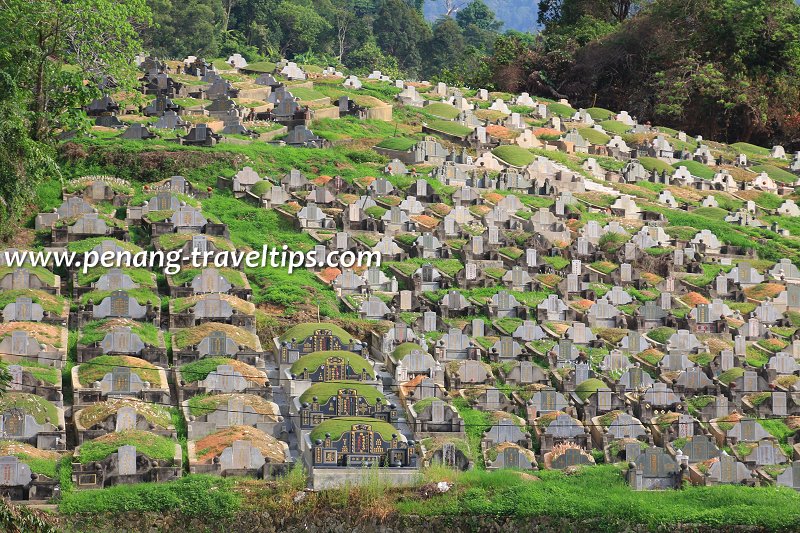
(126, 419)
(126, 457)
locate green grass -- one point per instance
(196, 495)
(253, 227)
(710, 273)
(200, 369)
(315, 360)
(187, 275)
(401, 144)
(96, 330)
(556, 261)
(140, 276)
(513, 155)
(652, 163)
(142, 295)
(83, 246)
(406, 348)
(49, 302)
(696, 168)
(777, 174)
(449, 266)
(153, 446)
(98, 367)
(260, 66)
(560, 110)
(306, 94)
(324, 391)
(731, 375)
(662, 334)
(449, 128)
(588, 387)
(615, 127)
(600, 496)
(337, 426)
(36, 406)
(475, 422)
(751, 149)
(442, 110)
(594, 136)
(48, 374)
(599, 113)
(46, 277)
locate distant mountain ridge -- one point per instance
(517, 15)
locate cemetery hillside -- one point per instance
(393, 265)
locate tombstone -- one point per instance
(235, 411)
(739, 346)
(126, 419)
(626, 272)
(625, 426)
(750, 382)
(632, 451)
(547, 401)
(530, 257)
(15, 375)
(727, 360)
(721, 406)
(791, 476)
(573, 284)
(565, 427)
(471, 271)
(700, 448)
(570, 457)
(576, 267)
(779, 404)
(429, 321)
(581, 373)
(477, 327)
(685, 426)
(765, 453)
(13, 472)
(630, 251)
(126, 460)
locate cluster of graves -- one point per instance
(558, 301)
(533, 278)
(194, 103)
(127, 394)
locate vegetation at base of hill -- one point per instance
(195, 495)
(574, 497)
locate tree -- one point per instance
(478, 14)
(400, 31)
(345, 19)
(48, 42)
(564, 13)
(49, 48)
(300, 26)
(184, 27)
(445, 48)
(370, 57)
(24, 161)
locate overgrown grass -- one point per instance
(600, 495)
(194, 495)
